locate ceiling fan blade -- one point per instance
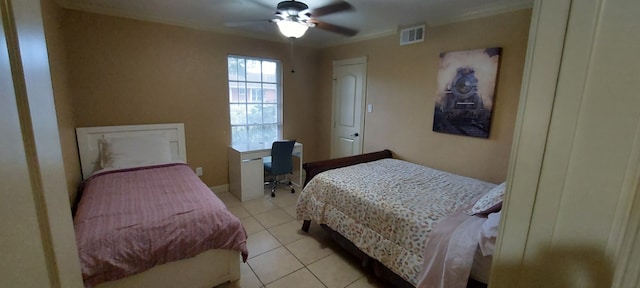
(331, 8)
(335, 28)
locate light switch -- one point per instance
(369, 108)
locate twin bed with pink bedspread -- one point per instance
(145, 219)
(130, 220)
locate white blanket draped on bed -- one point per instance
(449, 252)
(387, 207)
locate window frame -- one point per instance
(247, 101)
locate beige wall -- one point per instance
(52, 16)
(401, 88)
(124, 71)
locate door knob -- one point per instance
(355, 134)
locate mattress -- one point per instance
(387, 208)
(133, 219)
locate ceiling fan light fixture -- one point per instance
(292, 29)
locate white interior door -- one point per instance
(349, 82)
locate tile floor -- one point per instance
(281, 255)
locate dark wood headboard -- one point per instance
(314, 168)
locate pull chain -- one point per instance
(291, 56)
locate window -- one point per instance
(255, 100)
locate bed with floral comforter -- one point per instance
(387, 208)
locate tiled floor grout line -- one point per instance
(304, 266)
(254, 273)
(282, 206)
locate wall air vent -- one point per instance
(412, 35)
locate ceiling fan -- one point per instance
(294, 18)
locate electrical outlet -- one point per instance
(199, 171)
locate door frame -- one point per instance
(351, 61)
(43, 204)
(537, 97)
(538, 141)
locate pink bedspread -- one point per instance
(131, 220)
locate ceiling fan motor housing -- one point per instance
(292, 7)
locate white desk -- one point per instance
(246, 169)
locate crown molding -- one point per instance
(492, 10)
(488, 11)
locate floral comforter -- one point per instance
(387, 207)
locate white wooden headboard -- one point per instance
(88, 137)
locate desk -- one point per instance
(246, 169)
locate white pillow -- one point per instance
(134, 151)
(490, 202)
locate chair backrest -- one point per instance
(281, 157)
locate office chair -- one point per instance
(280, 163)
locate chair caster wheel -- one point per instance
(293, 190)
(273, 194)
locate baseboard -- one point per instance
(220, 188)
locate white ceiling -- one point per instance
(372, 18)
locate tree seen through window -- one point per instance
(254, 100)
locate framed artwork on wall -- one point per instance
(465, 91)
